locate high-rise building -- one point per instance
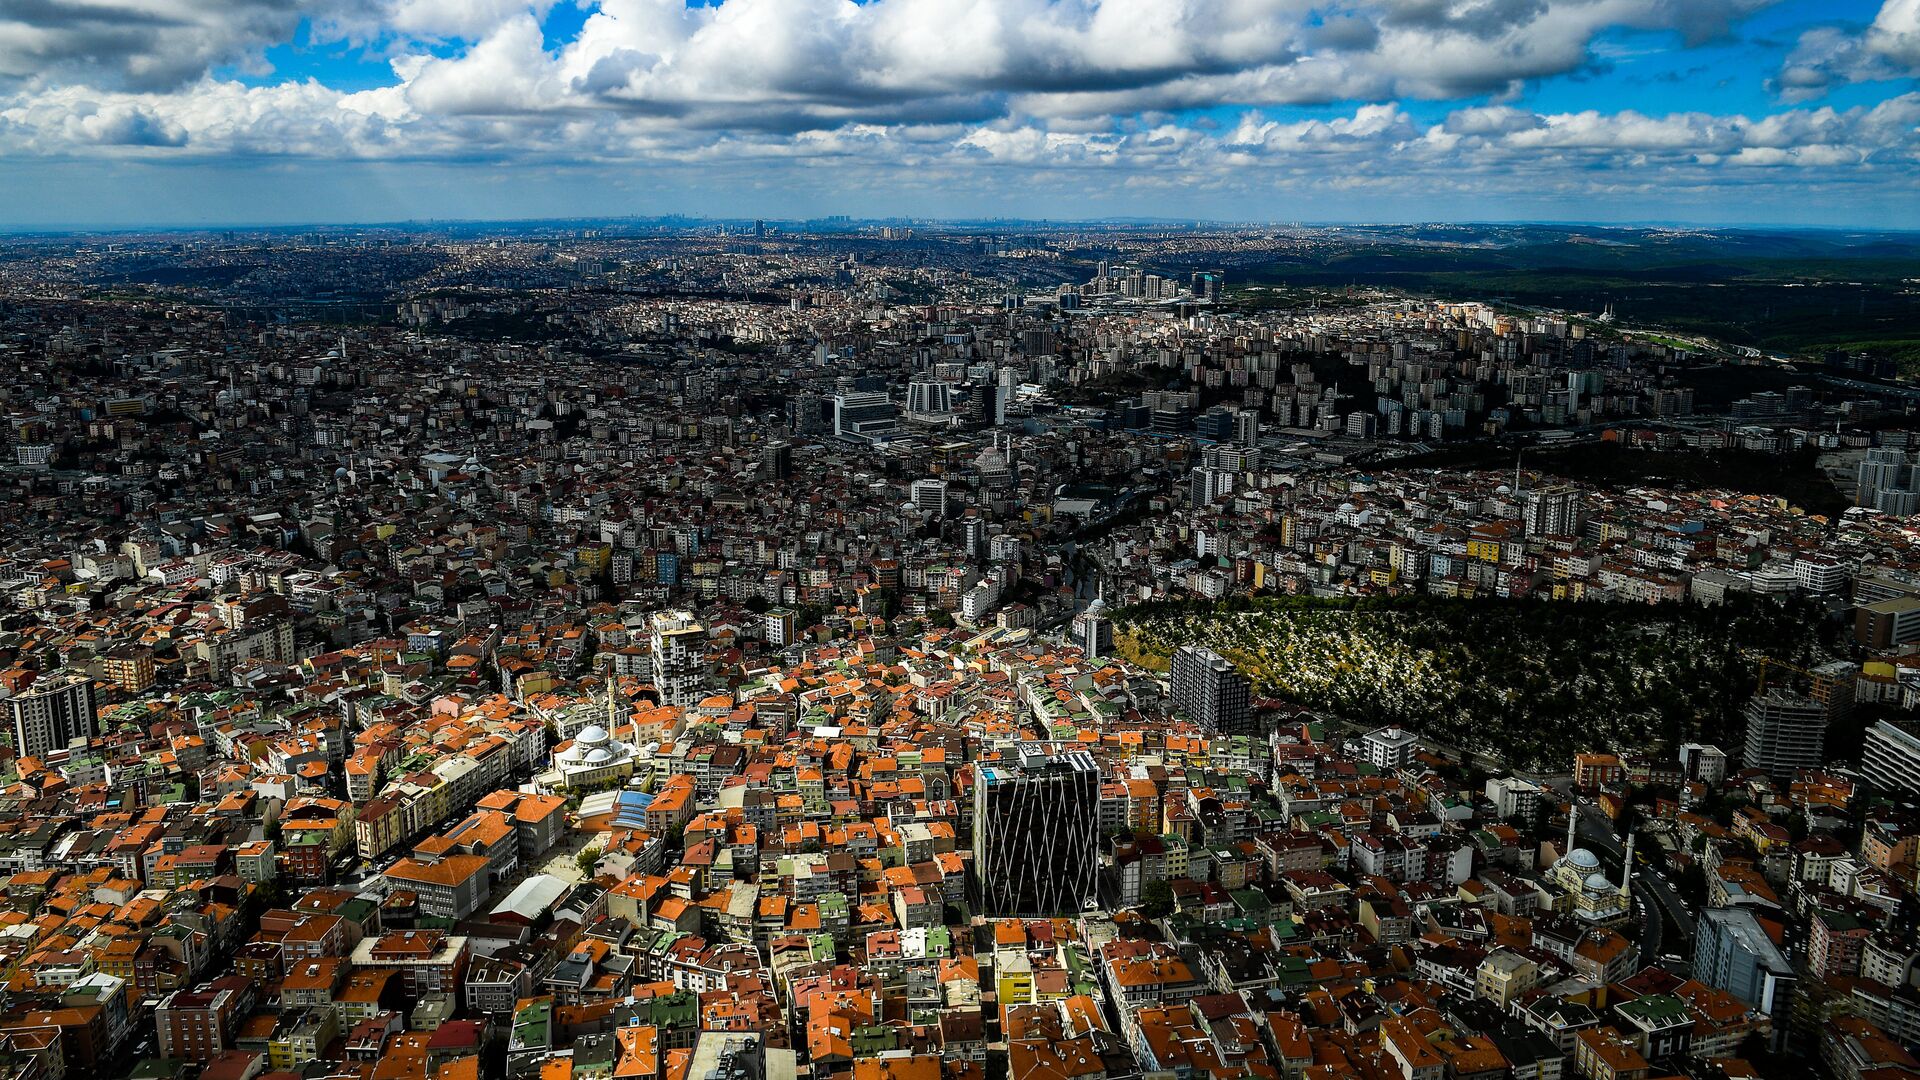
(1246, 427)
(1210, 691)
(1890, 758)
(1785, 732)
(864, 416)
(1209, 483)
(776, 461)
(928, 398)
(1883, 472)
(1733, 952)
(929, 496)
(973, 533)
(780, 625)
(1554, 511)
(48, 715)
(679, 657)
(1036, 833)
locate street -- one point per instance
(1648, 887)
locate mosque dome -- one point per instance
(595, 735)
(1598, 881)
(1582, 859)
(599, 756)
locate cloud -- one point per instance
(954, 93)
(136, 44)
(1830, 56)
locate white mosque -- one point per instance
(593, 758)
(1579, 875)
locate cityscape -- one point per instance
(1017, 540)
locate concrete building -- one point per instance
(1210, 691)
(679, 644)
(1890, 758)
(864, 416)
(1785, 732)
(1733, 952)
(1887, 623)
(50, 714)
(1389, 747)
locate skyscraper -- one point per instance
(51, 713)
(1036, 833)
(1210, 691)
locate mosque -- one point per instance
(593, 758)
(1579, 875)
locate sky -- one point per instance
(126, 113)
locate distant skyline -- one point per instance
(129, 113)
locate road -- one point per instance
(1653, 891)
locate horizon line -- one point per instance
(14, 230)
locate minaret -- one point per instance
(1573, 819)
(613, 702)
(1626, 872)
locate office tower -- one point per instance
(679, 657)
(1733, 952)
(986, 404)
(46, 716)
(1215, 424)
(1554, 511)
(929, 398)
(864, 416)
(1785, 732)
(776, 461)
(1036, 833)
(1208, 689)
(929, 496)
(809, 414)
(1890, 758)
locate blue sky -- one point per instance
(192, 112)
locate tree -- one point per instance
(1156, 900)
(587, 857)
